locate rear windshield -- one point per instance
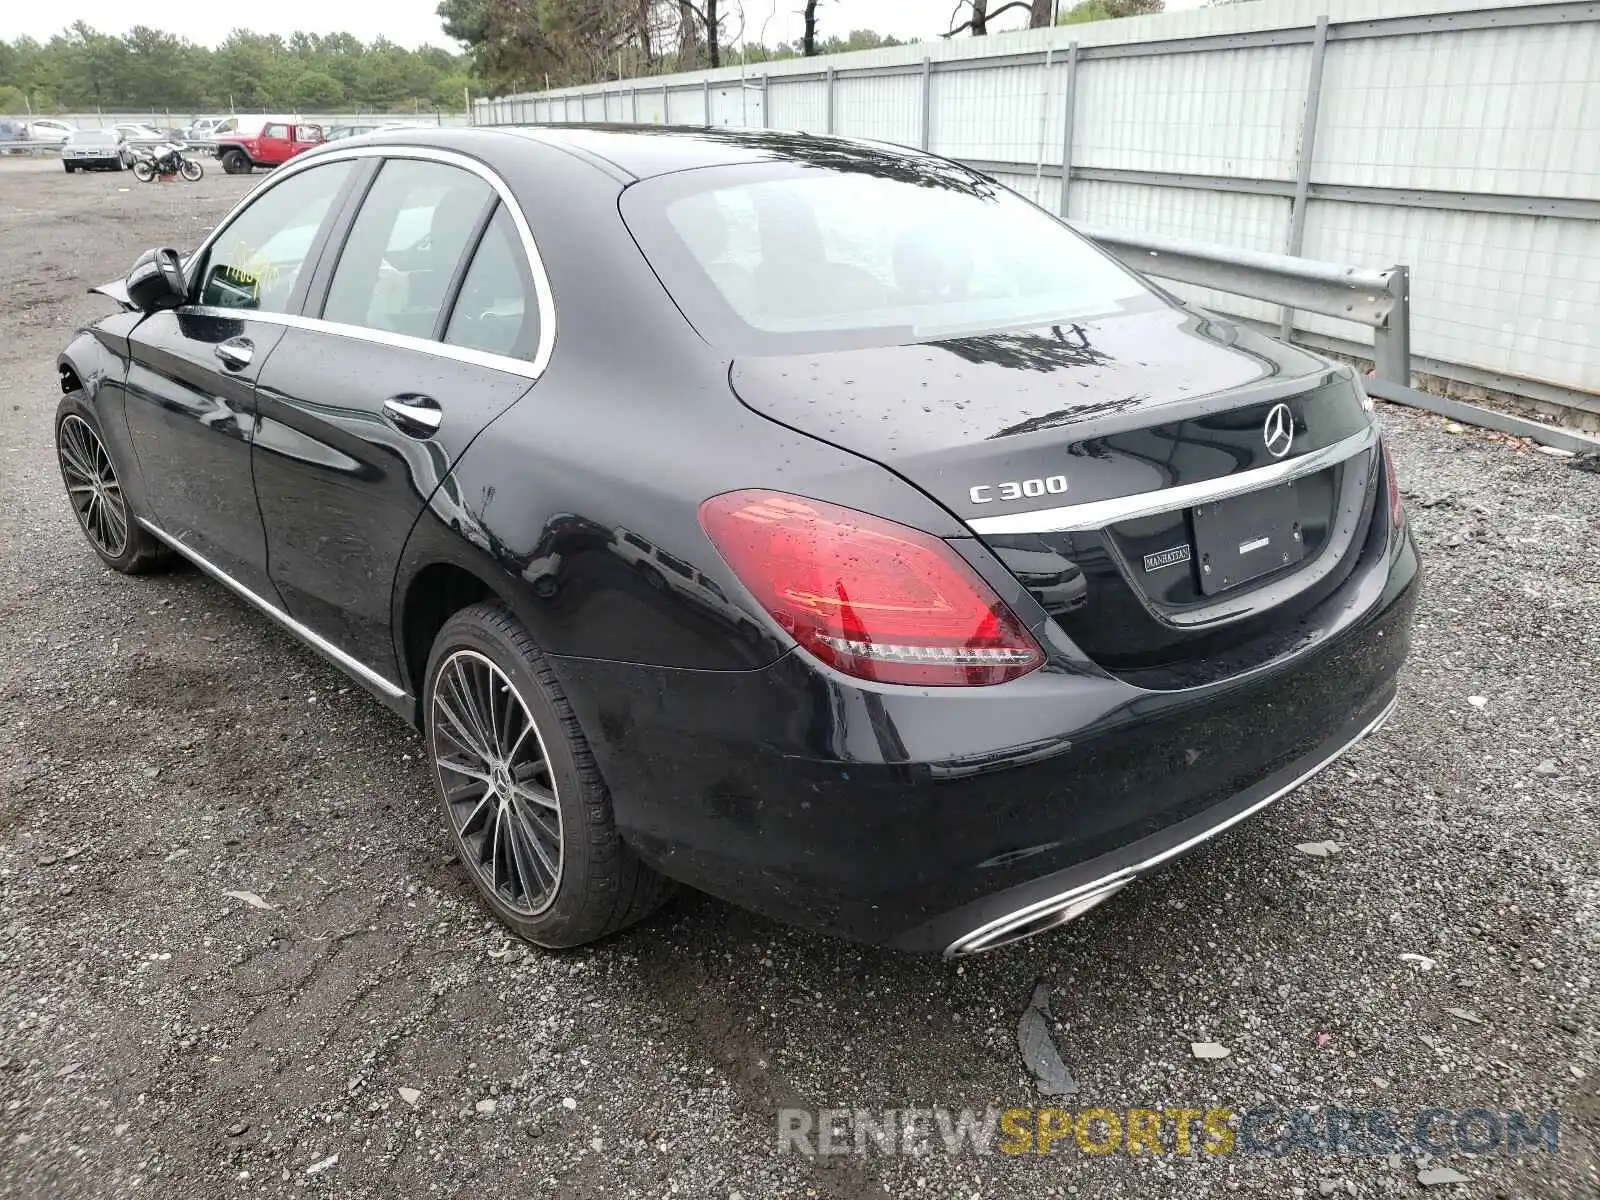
(787, 258)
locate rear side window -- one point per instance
(256, 261)
(876, 248)
(496, 310)
(414, 229)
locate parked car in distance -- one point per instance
(13, 132)
(867, 547)
(139, 134)
(96, 150)
(276, 144)
(202, 129)
(337, 133)
(45, 130)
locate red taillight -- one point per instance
(867, 596)
(1397, 514)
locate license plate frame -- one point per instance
(1242, 538)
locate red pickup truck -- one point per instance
(277, 143)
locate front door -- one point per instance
(192, 373)
(428, 323)
(191, 416)
(273, 145)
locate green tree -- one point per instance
(468, 22)
(318, 90)
(151, 70)
(248, 70)
(1109, 10)
(161, 71)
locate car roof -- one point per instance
(641, 151)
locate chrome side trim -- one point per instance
(1096, 514)
(380, 337)
(310, 637)
(993, 934)
(529, 368)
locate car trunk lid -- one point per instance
(1168, 485)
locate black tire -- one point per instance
(143, 171)
(599, 885)
(192, 170)
(136, 551)
(236, 162)
(69, 168)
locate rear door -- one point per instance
(305, 138)
(192, 373)
(426, 327)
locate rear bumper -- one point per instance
(938, 819)
(1055, 899)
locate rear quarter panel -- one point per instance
(627, 432)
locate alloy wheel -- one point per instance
(497, 782)
(92, 486)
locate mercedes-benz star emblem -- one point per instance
(1278, 431)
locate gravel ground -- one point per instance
(163, 746)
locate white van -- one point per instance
(248, 125)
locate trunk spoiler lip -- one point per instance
(1094, 514)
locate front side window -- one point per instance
(496, 310)
(414, 228)
(881, 250)
(256, 261)
(275, 131)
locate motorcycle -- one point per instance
(165, 159)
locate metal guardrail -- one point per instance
(1381, 300)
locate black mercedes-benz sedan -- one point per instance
(813, 522)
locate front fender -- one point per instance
(95, 362)
(99, 353)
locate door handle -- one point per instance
(413, 415)
(236, 353)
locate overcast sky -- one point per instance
(414, 22)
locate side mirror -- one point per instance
(156, 281)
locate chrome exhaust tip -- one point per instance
(1035, 919)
